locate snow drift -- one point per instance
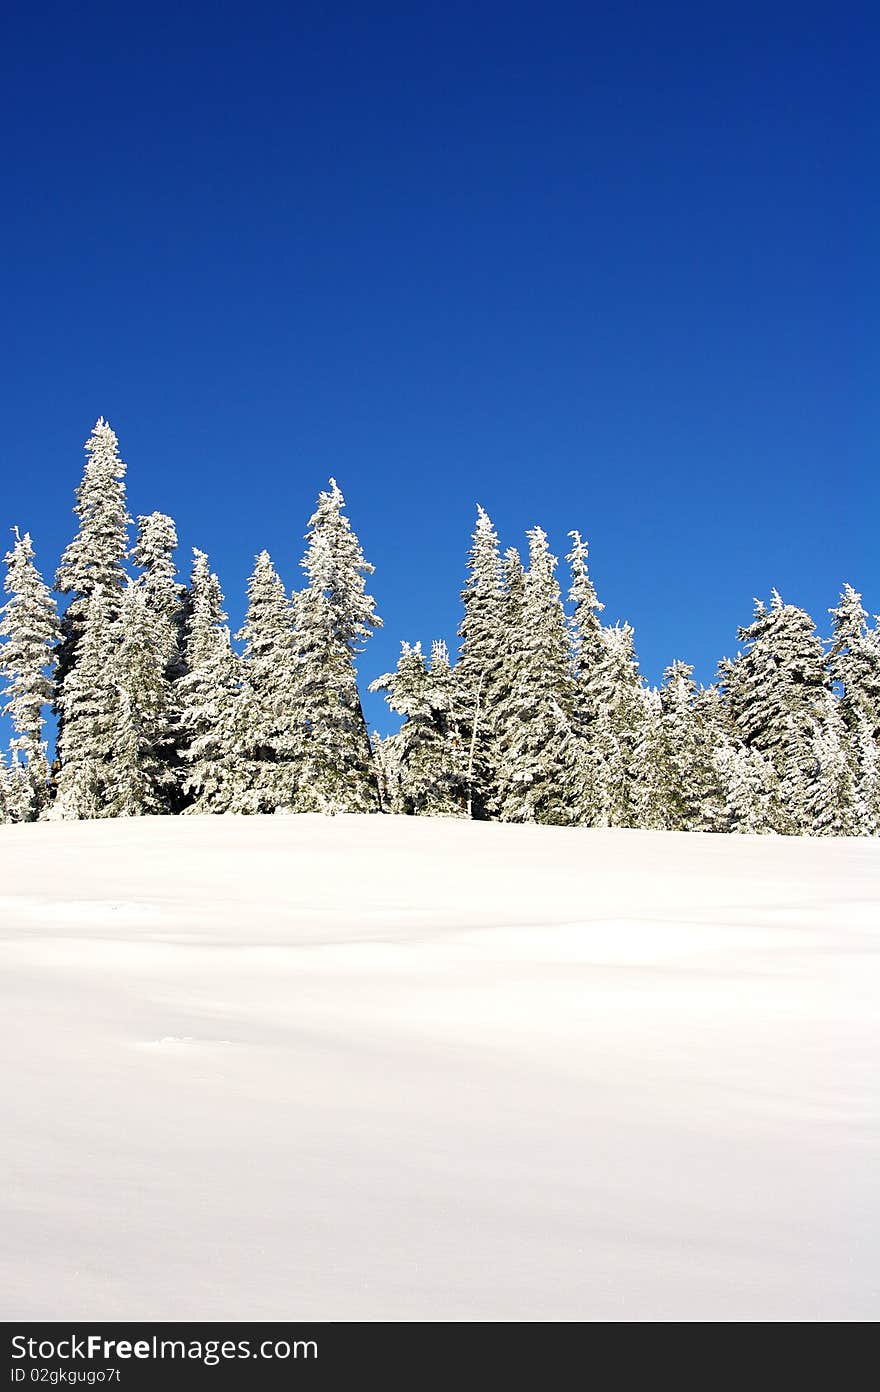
(385, 1068)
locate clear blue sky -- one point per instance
(609, 267)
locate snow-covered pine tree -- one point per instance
(445, 701)
(587, 631)
(272, 736)
(685, 754)
(650, 803)
(854, 666)
(777, 690)
(29, 628)
(750, 787)
(539, 768)
(713, 731)
(153, 555)
(163, 595)
(334, 616)
(96, 556)
(144, 781)
(481, 669)
(596, 746)
(429, 776)
(866, 789)
(8, 798)
(212, 710)
(618, 692)
(89, 715)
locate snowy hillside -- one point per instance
(396, 1068)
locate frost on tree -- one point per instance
(481, 669)
(424, 764)
(854, 666)
(334, 617)
(89, 709)
(545, 716)
(210, 702)
(29, 630)
(271, 736)
(538, 764)
(778, 690)
(163, 616)
(96, 556)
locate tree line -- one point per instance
(544, 716)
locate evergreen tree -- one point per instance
(164, 636)
(427, 750)
(854, 662)
(587, 631)
(749, 786)
(608, 796)
(854, 666)
(96, 556)
(334, 616)
(211, 705)
(481, 669)
(539, 761)
(29, 626)
(89, 711)
(777, 689)
(272, 731)
(153, 555)
(650, 806)
(866, 781)
(143, 778)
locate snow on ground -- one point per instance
(383, 1068)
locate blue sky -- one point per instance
(604, 267)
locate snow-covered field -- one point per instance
(381, 1068)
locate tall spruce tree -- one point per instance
(144, 779)
(334, 616)
(212, 711)
(854, 667)
(272, 739)
(89, 715)
(96, 556)
(777, 689)
(618, 693)
(481, 669)
(426, 754)
(164, 636)
(30, 630)
(539, 760)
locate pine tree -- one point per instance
(272, 730)
(777, 689)
(153, 555)
(481, 669)
(427, 750)
(866, 786)
(334, 616)
(854, 661)
(164, 636)
(29, 625)
(750, 787)
(539, 762)
(96, 556)
(712, 727)
(212, 709)
(89, 711)
(143, 779)
(854, 666)
(587, 631)
(650, 806)
(608, 795)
